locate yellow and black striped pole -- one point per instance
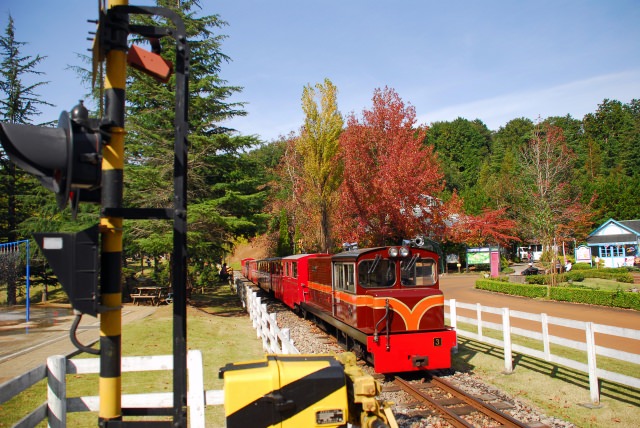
(111, 227)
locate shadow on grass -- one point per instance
(217, 300)
(468, 348)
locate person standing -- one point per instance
(224, 273)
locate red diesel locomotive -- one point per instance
(384, 303)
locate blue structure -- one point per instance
(616, 243)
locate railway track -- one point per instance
(453, 403)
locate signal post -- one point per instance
(111, 226)
(82, 160)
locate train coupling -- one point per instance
(420, 360)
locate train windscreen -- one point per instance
(376, 273)
(418, 272)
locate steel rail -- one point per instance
(479, 405)
(451, 417)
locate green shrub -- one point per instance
(616, 274)
(525, 290)
(581, 266)
(618, 298)
(616, 270)
(536, 279)
(504, 263)
(573, 276)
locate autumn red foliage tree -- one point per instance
(390, 177)
(490, 227)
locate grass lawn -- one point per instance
(557, 390)
(217, 325)
(603, 284)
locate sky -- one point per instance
(493, 60)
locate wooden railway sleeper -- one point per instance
(482, 407)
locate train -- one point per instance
(382, 303)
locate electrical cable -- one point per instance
(74, 339)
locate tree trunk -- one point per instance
(11, 221)
(325, 228)
(11, 293)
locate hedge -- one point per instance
(581, 266)
(525, 290)
(618, 298)
(581, 274)
(619, 274)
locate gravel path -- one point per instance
(309, 339)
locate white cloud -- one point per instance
(575, 98)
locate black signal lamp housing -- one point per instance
(65, 158)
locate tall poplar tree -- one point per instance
(318, 147)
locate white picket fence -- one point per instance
(589, 345)
(58, 405)
(274, 339)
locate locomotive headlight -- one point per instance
(393, 252)
(404, 251)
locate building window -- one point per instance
(611, 251)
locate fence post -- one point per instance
(286, 340)
(56, 391)
(506, 335)
(273, 334)
(479, 319)
(591, 363)
(264, 326)
(257, 316)
(453, 313)
(195, 392)
(544, 319)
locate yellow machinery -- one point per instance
(302, 391)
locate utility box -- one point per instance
(285, 391)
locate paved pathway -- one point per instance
(25, 346)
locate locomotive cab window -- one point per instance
(376, 273)
(418, 272)
(344, 277)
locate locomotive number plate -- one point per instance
(437, 341)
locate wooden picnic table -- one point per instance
(152, 294)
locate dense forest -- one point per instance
(372, 177)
